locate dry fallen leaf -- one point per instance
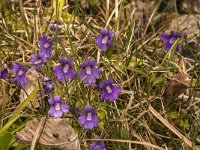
(189, 24)
(191, 6)
(176, 86)
(32, 80)
(138, 8)
(52, 132)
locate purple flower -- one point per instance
(4, 73)
(64, 71)
(57, 107)
(48, 86)
(169, 40)
(104, 39)
(45, 46)
(38, 60)
(90, 118)
(55, 25)
(110, 91)
(79, 111)
(98, 146)
(89, 73)
(20, 76)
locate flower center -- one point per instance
(97, 147)
(57, 106)
(89, 116)
(66, 68)
(46, 45)
(172, 40)
(104, 40)
(38, 62)
(49, 86)
(88, 70)
(20, 72)
(108, 88)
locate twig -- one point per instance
(107, 9)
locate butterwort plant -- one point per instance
(57, 107)
(38, 60)
(109, 90)
(20, 73)
(55, 25)
(64, 71)
(45, 46)
(169, 39)
(104, 39)
(4, 73)
(89, 118)
(100, 145)
(48, 85)
(89, 72)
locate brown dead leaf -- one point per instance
(176, 86)
(55, 132)
(189, 24)
(138, 7)
(191, 6)
(32, 80)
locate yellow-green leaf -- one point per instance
(57, 6)
(67, 17)
(101, 113)
(173, 115)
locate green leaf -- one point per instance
(184, 124)
(173, 115)
(137, 71)
(5, 140)
(133, 63)
(125, 134)
(67, 17)
(101, 113)
(183, 113)
(58, 4)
